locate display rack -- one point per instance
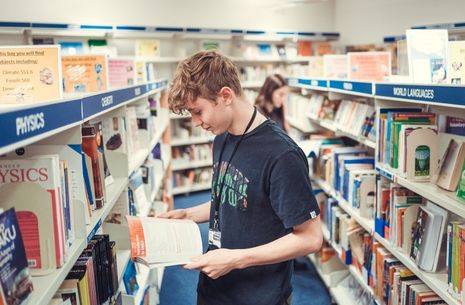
(439, 98)
(74, 112)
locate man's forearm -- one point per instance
(199, 213)
(285, 248)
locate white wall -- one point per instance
(368, 21)
(242, 14)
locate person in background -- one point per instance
(262, 212)
(272, 99)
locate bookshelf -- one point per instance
(191, 188)
(191, 141)
(186, 164)
(441, 99)
(73, 113)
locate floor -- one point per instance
(179, 285)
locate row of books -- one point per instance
(192, 177)
(356, 117)
(389, 280)
(142, 47)
(186, 154)
(152, 47)
(184, 130)
(93, 280)
(428, 234)
(409, 143)
(347, 170)
(298, 107)
(253, 72)
(48, 225)
(69, 180)
(393, 283)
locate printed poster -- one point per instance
(147, 48)
(315, 66)
(84, 73)
(30, 74)
(335, 66)
(369, 66)
(427, 55)
(456, 62)
(122, 72)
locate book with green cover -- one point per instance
(396, 121)
(461, 187)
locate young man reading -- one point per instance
(262, 213)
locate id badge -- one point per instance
(214, 238)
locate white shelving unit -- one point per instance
(74, 112)
(192, 188)
(332, 126)
(436, 281)
(122, 259)
(190, 141)
(46, 286)
(186, 164)
(367, 224)
(445, 99)
(302, 126)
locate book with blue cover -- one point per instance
(15, 279)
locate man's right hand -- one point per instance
(174, 214)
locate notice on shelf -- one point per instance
(84, 73)
(369, 66)
(30, 74)
(427, 55)
(122, 72)
(335, 66)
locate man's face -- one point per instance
(210, 115)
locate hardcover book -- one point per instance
(41, 223)
(15, 279)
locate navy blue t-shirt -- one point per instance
(266, 193)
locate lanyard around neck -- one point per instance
(217, 197)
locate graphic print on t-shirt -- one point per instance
(235, 186)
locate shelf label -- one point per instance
(357, 87)
(293, 81)
(94, 104)
(447, 95)
(26, 123)
(320, 83)
(107, 101)
(30, 74)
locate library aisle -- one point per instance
(307, 288)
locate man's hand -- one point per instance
(216, 263)
(174, 214)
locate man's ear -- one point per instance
(227, 95)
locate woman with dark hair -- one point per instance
(271, 100)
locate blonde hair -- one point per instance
(202, 75)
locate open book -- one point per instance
(158, 242)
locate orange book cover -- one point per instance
(304, 48)
(369, 66)
(84, 73)
(30, 74)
